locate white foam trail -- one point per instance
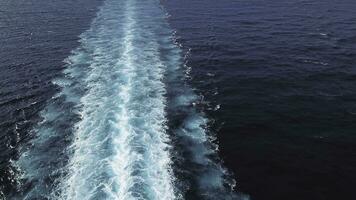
(120, 148)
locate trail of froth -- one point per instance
(120, 147)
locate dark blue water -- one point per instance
(283, 74)
(132, 99)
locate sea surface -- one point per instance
(178, 99)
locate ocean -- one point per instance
(177, 99)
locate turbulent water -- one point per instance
(124, 124)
